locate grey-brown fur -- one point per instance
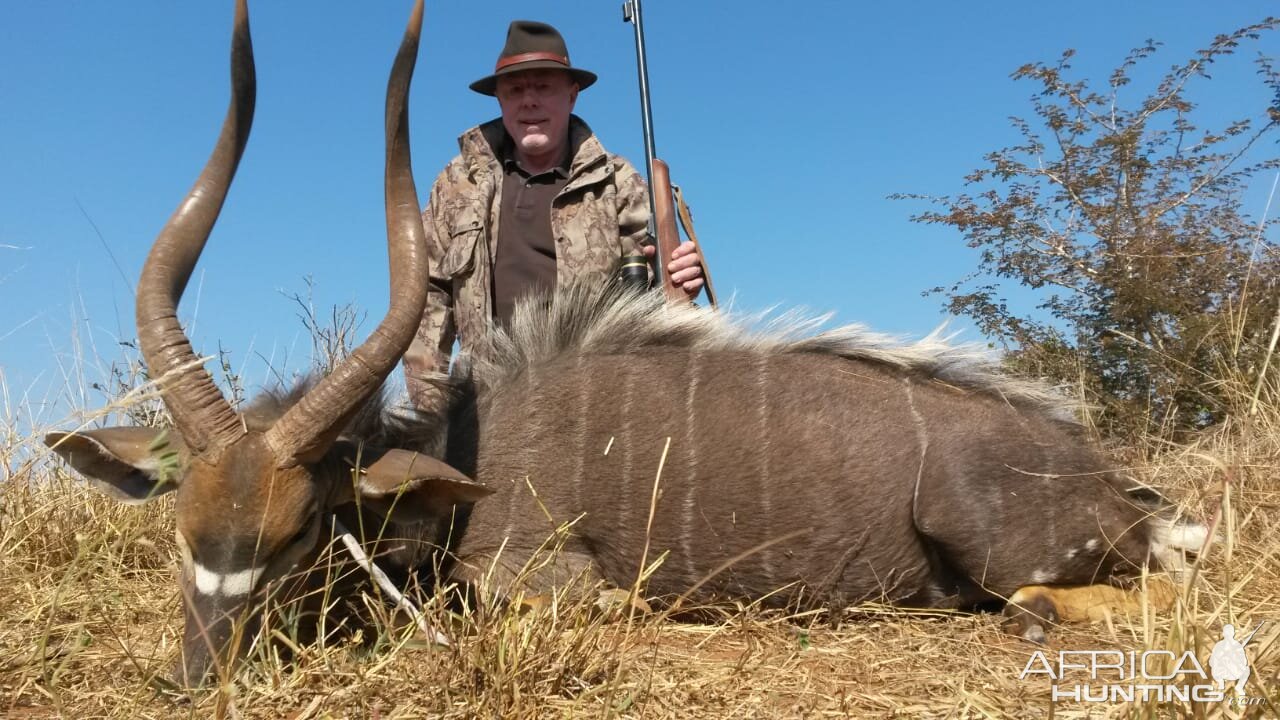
(863, 469)
(915, 474)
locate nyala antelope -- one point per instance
(778, 466)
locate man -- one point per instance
(532, 200)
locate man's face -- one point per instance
(535, 110)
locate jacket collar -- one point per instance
(481, 147)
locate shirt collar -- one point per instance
(510, 163)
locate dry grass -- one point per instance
(90, 622)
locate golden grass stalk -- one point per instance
(90, 624)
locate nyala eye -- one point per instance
(302, 533)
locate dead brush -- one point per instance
(91, 623)
(1232, 475)
(86, 588)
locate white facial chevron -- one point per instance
(228, 584)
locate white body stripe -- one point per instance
(231, 584)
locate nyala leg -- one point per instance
(1033, 607)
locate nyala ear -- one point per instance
(130, 464)
(413, 486)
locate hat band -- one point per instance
(529, 56)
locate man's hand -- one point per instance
(685, 268)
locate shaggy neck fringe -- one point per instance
(582, 319)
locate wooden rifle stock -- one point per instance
(668, 236)
(661, 191)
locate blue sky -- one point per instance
(787, 124)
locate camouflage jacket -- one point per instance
(600, 216)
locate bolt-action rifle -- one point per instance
(664, 198)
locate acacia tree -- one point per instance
(1157, 289)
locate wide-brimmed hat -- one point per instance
(532, 45)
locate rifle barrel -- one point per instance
(1255, 632)
(632, 13)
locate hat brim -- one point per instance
(489, 85)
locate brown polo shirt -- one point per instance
(525, 261)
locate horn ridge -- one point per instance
(308, 429)
(200, 411)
